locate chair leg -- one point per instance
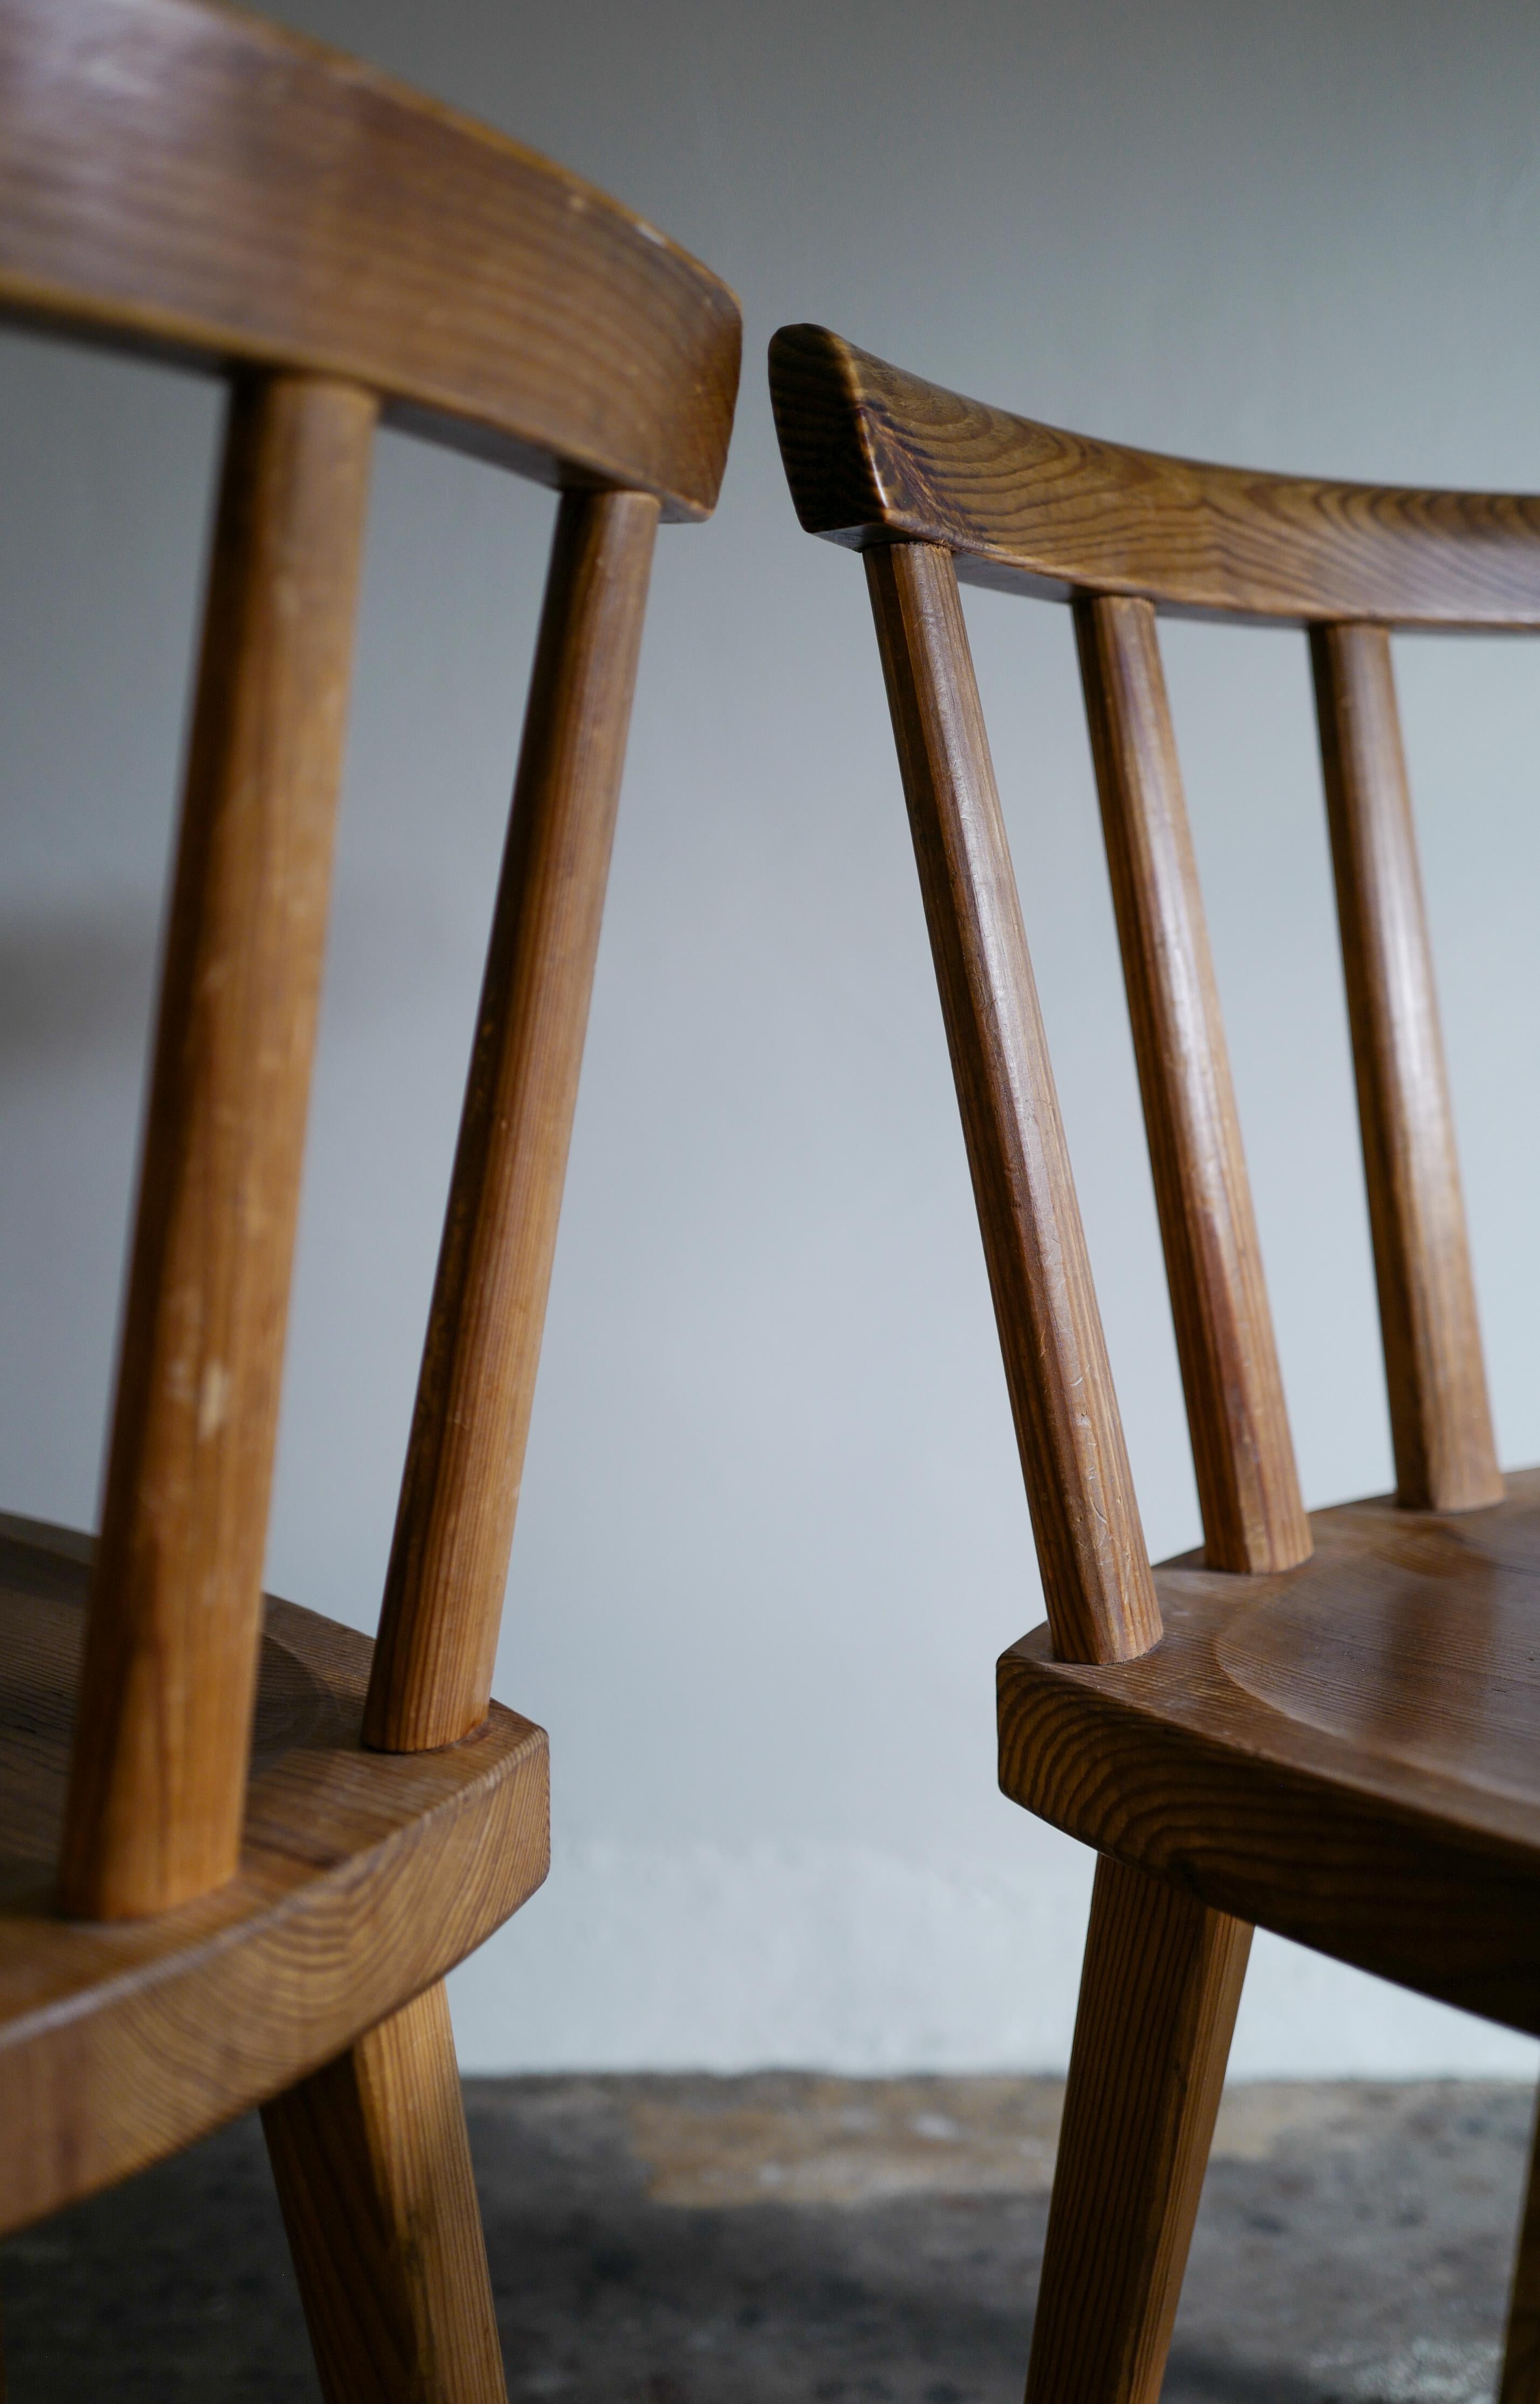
(1521, 2353)
(1158, 1993)
(373, 2173)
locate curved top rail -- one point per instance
(182, 178)
(875, 455)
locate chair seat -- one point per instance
(363, 1876)
(1348, 1753)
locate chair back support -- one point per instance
(180, 179)
(931, 487)
(189, 182)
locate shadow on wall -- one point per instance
(76, 984)
(77, 980)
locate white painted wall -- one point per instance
(772, 1534)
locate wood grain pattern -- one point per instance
(1159, 1996)
(194, 182)
(1243, 1455)
(1440, 1420)
(1348, 1753)
(1520, 2380)
(156, 1801)
(373, 2173)
(454, 1529)
(875, 455)
(1090, 1547)
(362, 1881)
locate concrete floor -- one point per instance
(692, 2240)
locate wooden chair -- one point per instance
(243, 1876)
(1327, 1725)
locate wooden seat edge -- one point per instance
(364, 1879)
(1168, 1766)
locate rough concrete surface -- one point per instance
(780, 2237)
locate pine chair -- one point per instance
(241, 1845)
(1326, 1724)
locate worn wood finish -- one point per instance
(1520, 2380)
(160, 1777)
(449, 1564)
(1243, 1452)
(877, 455)
(1440, 1421)
(1348, 1753)
(1159, 1996)
(373, 2173)
(361, 1880)
(194, 182)
(1090, 1547)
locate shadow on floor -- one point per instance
(692, 2240)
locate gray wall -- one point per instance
(774, 1533)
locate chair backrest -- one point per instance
(183, 180)
(933, 486)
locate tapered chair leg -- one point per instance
(1159, 1993)
(1521, 2355)
(373, 2173)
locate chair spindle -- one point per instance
(1440, 1419)
(1248, 1487)
(159, 1771)
(1097, 1586)
(433, 1663)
